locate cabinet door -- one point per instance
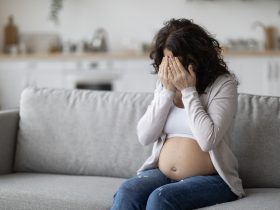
(272, 86)
(47, 74)
(13, 79)
(251, 73)
(135, 76)
(16, 75)
(276, 88)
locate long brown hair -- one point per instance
(195, 46)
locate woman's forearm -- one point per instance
(209, 127)
(150, 126)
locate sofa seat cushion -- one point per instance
(22, 191)
(256, 199)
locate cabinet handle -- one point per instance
(269, 73)
(94, 65)
(276, 71)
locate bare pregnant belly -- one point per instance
(181, 157)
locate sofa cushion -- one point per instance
(37, 191)
(256, 199)
(94, 133)
(256, 140)
(80, 132)
(65, 192)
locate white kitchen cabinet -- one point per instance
(17, 75)
(128, 75)
(13, 79)
(257, 75)
(125, 75)
(249, 72)
(48, 74)
(272, 73)
(135, 76)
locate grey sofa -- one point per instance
(71, 149)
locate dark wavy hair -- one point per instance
(194, 45)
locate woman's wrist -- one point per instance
(168, 92)
(186, 91)
(167, 88)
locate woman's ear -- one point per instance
(192, 60)
(193, 66)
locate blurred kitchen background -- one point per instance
(104, 44)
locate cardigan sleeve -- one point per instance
(151, 124)
(209, 127)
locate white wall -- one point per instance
(137, 20)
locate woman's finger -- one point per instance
(181, 67)
(171, 74)
(162, 66)
(171, 70)
(166, 70)
(171, 62)
(174, 67)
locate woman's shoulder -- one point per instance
(224, 82)
(226, 78)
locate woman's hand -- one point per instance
(165, 76)
(181, 78)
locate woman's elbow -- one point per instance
(142, 136)
(143, 139)
(205, 147)
(206, 142)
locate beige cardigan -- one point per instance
(210, 116)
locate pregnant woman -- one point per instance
(189, 122)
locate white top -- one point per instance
(210, 117)
(176, 123)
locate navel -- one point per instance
(173, 169)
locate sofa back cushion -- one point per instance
(80, 132)
(94, 133)
(256, 140)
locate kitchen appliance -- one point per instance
(99, 41)
(98, 80)
(93, 75)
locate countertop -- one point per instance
(121, 55)
(74, 56)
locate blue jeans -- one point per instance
(152, 190)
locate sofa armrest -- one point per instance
(8, 133)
